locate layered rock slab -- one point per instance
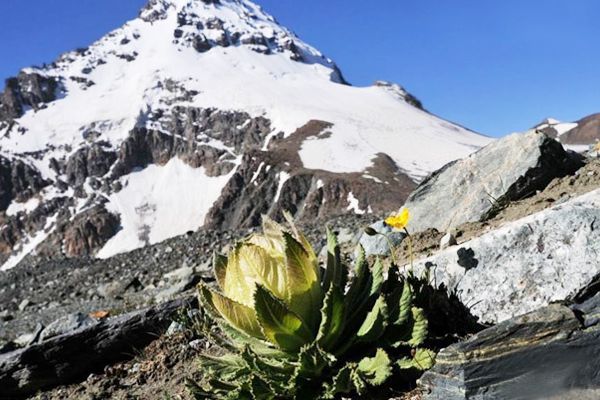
(526, 264)
(551, 353)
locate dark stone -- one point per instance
(18, 181)
(89, 231)
(33, 90)
(201, 43)
(73, 356)
(88, 161)
(544, 354)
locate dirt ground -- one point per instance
(157, 373)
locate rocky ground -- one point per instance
(40, 291)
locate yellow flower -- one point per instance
(400, 220)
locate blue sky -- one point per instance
(493, 66)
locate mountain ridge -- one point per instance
(201, 113)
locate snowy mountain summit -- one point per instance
(200, 113)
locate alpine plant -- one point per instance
(288, 329)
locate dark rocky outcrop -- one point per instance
(236, 130)
(18, 181)
(89, 231)
(26, 90)
(587, 131)
(71, 356)
(273, 181)
(551, 353)
(88, 161)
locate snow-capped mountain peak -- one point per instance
(200, 112)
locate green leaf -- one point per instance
(405, 304)
(312, 361)
(274, 369)
(420, 327)
(220, 268)
(333, 315)
(375, 323)
(335, 272)
(359, 280)
(375, 370)
(413, 332)
(237, 315)
(342, 382)
(423, 360)
(304, 291)
(280, 325)
(257, 265)
(378, 278)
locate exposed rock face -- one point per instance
(275, 181)
(89, 231)
(587, 131)
(547, 354)
(26, 90)
(18, 181)
(472, 189)
(236, 130)
(526, 264)
(88, 161)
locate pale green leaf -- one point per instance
(375, 370)
(304, 291)
(280, 325)
(423, 360)
(333, 315)
(236, 314)
(375, 323)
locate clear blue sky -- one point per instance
(493, 66)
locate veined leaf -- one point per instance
(359, 280)
(420, 327)
(273, 368)
(375, 370)
(405, 304)
(413, 332)
(333, 315)
(378, 278)
(312, 361)
(271, 238)
(220, 268)
(258, 266)
(304, 291)
(335, 272)
(423, 360)
(342, 382)
(236, 314)
(235, 284)
(279, 324)
(375, 322)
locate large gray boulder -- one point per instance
(525, 264)
(474, 187)
(551, 353)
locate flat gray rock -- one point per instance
(469, 189)
(525, 264)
